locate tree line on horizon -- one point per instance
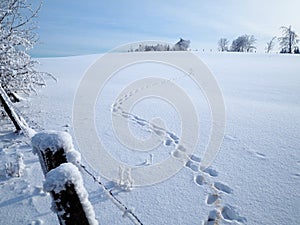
(246, 43)
(181, 45)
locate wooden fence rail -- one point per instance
(63, 179)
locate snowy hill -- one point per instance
(254, 179)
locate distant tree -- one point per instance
(244, 43)
(18, 73)
(223, 44)
(270, 44)
(289, 39)
(181, 45)
(157, 47)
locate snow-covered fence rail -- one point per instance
(63, 179)
(16, 118)
(6, 103)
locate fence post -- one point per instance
(62, 180)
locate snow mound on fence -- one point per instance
(56, 140)
(58, 178)
(53, 140)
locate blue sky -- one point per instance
(95, 26)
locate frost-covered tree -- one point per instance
(223, 44)
(18, 73)
(157, 47)
(244, 43)
(181, 45)
(270, 44)
(289, 39)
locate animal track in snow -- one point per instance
(195, 158)
(229, 213)
(192, 162)
(181, 148)
(168, 142)
(193, 166)
(178, 154)
(211, 172)
(173, 136)
(211, 198)
(159, 132)
(199, 180)
(223, 187)
(168, 138)
(212, 217)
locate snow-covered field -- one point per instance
(255, 178)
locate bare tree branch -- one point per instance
(17, 36)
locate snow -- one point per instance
(58, 178)
(253, 180)
(53, 140)
(56, 140)
(15, 168)
(74, 157)
(22, 200)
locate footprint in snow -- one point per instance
(181, 148)
(178, 154)
(168, 142)
(173, 136)
(193, 166)
(212, 217)
(211, 172)
(195, 158)
(140, 122)
(229, 213)
(125, 115)
(223, 187)
(159, 132)
(211, 199)
(199, 180)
